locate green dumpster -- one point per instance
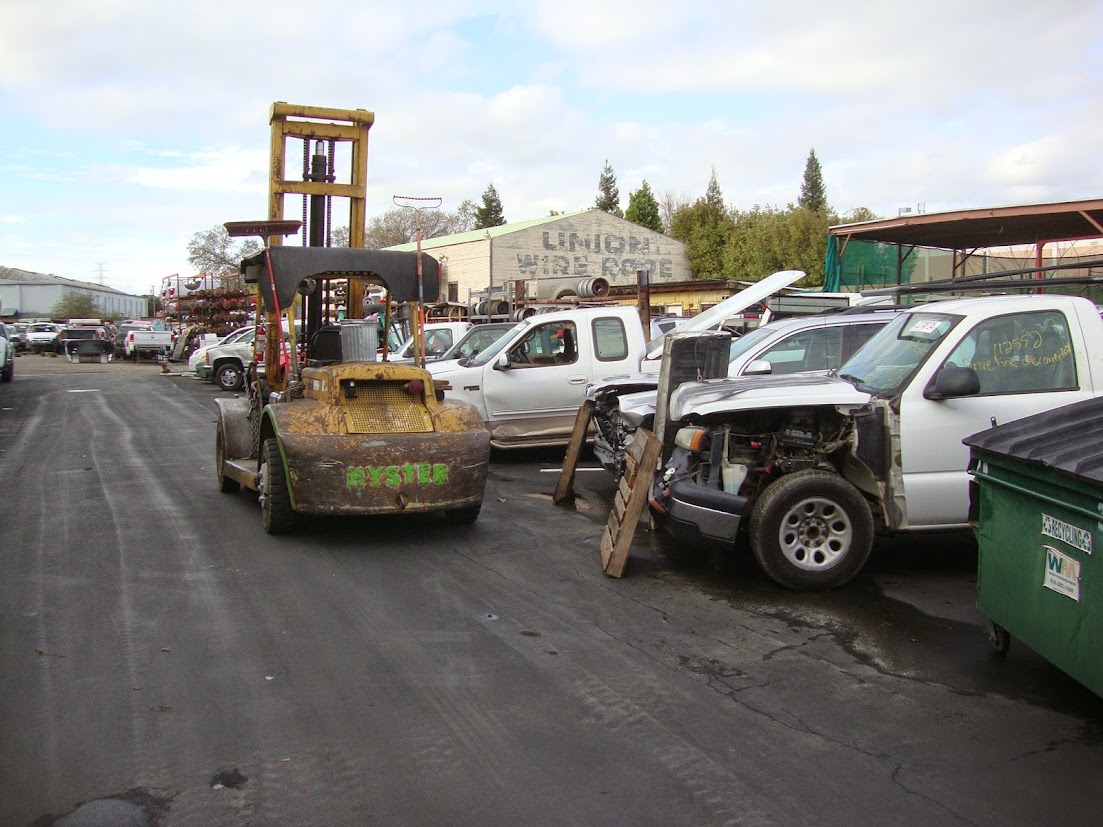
(1037, 509)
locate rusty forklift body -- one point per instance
(317, 436)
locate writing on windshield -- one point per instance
(887, 362)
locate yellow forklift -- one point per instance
(328, 427)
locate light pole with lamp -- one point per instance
(416, 204)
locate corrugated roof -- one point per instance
(17, 276)
(985, 227)
(479, 235)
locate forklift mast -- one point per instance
(326, 128)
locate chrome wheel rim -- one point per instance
(815, 534)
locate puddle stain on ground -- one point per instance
(882, 631)
(134, 808)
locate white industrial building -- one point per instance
(28, 295)
(554, 256)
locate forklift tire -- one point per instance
(275, 500)
(225, 484)
(462, 516)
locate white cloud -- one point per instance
(213, 171)
(141, 122)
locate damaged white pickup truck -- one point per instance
(810, 468)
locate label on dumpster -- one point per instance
(1062, 574)
(1075, 537)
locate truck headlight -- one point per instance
(692, 439)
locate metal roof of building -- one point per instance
(481, 235)
(985, 227)
(14, 275)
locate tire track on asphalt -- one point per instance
(165, 464)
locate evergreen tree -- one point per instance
(643, 209)
(490, 213)
(813, 194)
(608, 196)
(705, 227)
(705, 236)
(713, 197)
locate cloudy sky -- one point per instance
(131, 125)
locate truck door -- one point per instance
(1026, 363)
(541, 390)
(539, 394)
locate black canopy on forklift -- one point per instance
(394, 269)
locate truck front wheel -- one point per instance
(228, 376)
(811, 530)
(275, 499)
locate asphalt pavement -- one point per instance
(163, 661)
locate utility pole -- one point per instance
(409, 202)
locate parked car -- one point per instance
(242, 334)
(475, 341)
(806, 344)
(118, 341)
(149, 342)
(84, 340)
(528, 385)
(809, 467)
(17, 335)
(7, 355)
(225, 364)
(43, 336)
(439, 337)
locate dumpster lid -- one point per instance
(1065, 439)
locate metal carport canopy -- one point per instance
(1035, 224)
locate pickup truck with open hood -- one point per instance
(809, 468)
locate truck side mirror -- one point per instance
(758, 367)
(953, 382)
(502, 362)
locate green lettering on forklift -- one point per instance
(422, 473)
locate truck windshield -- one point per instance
(887, 362)
(494, 349)
(748, 342)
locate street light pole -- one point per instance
(416, 204)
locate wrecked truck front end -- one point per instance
(736, 437)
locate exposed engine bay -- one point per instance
(742, 453)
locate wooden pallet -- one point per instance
(564, 490)
(641, 459)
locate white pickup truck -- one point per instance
(439, 337)
(147, 342)
(811, 467)
(529, 384)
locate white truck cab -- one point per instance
(529, 384)
(810, 467)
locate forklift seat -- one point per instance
(325, 347)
